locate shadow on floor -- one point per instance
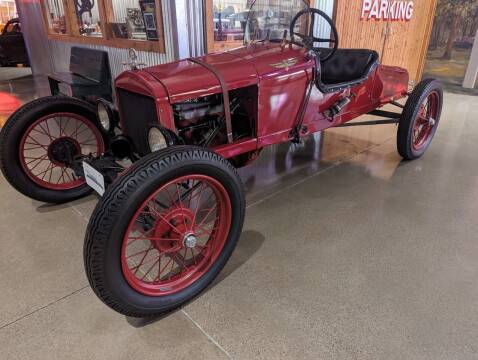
(249, 243)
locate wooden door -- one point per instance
(355, 33)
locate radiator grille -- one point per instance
(138, 114)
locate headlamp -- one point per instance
(104, 112)
(157, 139)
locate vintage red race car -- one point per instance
(167, 224)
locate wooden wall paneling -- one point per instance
(399, 43)
(428, 32)
(407, 41)
(209, 23)
(106, 32)
(46, 16)
(355, 33)
(71, 18)
(160, 27)
(107, 17)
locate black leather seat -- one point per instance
(348, 66)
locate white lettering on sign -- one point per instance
(387, 9)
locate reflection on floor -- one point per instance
(13, 73)
(18, 91)
(285, 163)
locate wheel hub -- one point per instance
(63, 150)
(175, 225)
(190, 241)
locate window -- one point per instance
(54, 13)
(226, 19)
(88, 15)
(116, 23)
(226, 23)
(133, 19)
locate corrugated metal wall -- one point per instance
(322, 28)
(326, 6)
(196, 28)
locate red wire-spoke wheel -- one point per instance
(176, 235)
(164, 230)
(52, 142)
(426, 120)
(419, 120)
(42, 141)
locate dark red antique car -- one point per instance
(166, 225)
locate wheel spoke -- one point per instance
(43, 172)
(151, 268)
(160, 272)
(50, 166)
(135, 238)
(35, 142)
(207, 215)
(33, 168)
(44, 157)
(42, 133)
(48, 129)
(142, 259)
(199, 203)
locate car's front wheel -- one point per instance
(39, 142)
(164, 230)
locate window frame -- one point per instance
(106, 13)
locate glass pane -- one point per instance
(88, 18)
(56, 16)
(133, 19)
(229, 17)
(271, 20)
(8, 11)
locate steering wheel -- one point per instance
(309, 40)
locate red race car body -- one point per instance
(278, 74)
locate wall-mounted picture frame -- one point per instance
(120, 30)
(148, 9)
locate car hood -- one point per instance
(241, 67)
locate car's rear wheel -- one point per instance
(39, 143)
(420, 118)
(164, 231)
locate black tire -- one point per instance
(110, 219)
(10, 139)
(410, 114)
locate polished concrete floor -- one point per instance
(347, 253)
